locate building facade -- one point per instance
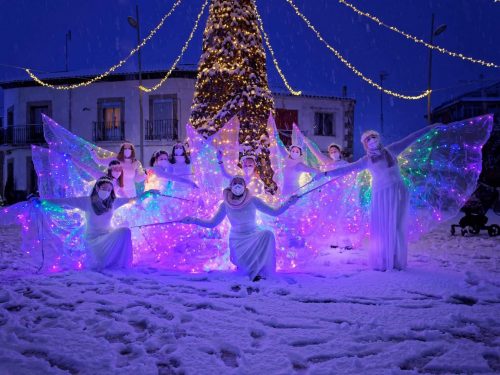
(108, 112)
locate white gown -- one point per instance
(389, 206)
(252, 249)
(389, 217)
(180, 169)
(132, 173)
(294, 174)
(106, 247)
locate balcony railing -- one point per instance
(109, 131)
(161, 129)
(22, 135)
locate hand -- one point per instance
(292, 200)
(319, 176)
(150, 193)
(219, 156)
(33, 198)
(93, 152)
(187, 220)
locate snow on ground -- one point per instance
(440, 316)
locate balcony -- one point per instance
(22, 135)
(161, 129)
(109, 131)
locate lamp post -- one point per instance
(383, 76)
(70, 92)
(434, 32)
(134, 22)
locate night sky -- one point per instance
(33, 35)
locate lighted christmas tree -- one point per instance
(232, 80)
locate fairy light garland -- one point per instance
(183, 50)
(416, 39)
(275, 61)
(352, 67)
(114, 67)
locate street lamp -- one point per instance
(434, 32)
(134, 23)
(383, 76)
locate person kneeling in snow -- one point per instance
(107, 247)
(252, 249)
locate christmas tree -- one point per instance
(232, 80)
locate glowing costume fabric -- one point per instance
(439, 169)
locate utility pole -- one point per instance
(70, 92)
(434, 33)
(383, 76)
(134, 22)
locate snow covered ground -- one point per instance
(440, 316)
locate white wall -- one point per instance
(307, 107)
(87, 97)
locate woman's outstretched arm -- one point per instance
(161, 172)
(211, 223)
(399, 146)
(274, 211)
(357, 166)
(75, 202)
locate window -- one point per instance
(35, 110)
(162, 123)
(10, 116)
(110, 124)
(285, 118)
(324, 124)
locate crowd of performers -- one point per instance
(99, 210)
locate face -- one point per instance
(178, 151)
(372, 142)
(105, 187)
(238, 187)
(334, 153)
(295, 153)
(104, 190)
(248, 166)
(116, 170)
(127, 150)
(162, 160)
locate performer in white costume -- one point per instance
(248, 166)
(335, 154)
(390, 199)
(115, 173)
(160, 173)
(252, 249)
(132, 168)
(106, 247)
(293, 171)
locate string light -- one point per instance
(352, 67)
(114, 67)
(184, 48)
(275, 61)
(418, 40)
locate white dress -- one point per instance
(293, 176)
(389, 217)
(252, 249)
(183, 170)
(132, 173)
(389, 206)
(107, 247)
